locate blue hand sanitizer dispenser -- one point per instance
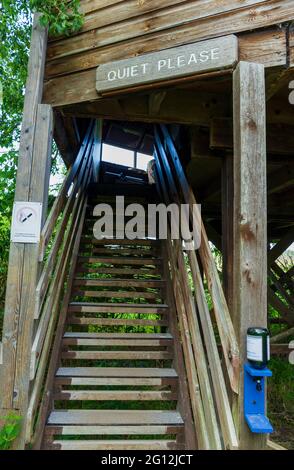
(255, 371)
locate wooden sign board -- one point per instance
(191, 59)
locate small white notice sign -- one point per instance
(26, 222)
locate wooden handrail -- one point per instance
(61, 199)
(194, 338)
(59, 238)
(221, 311)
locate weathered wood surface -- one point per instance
(203, 56)
(128, 29)
(250, 219)
(13, 307)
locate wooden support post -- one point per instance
(250, 221)
(227, 227)
(31, 185)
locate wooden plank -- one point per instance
(281, 246)
(121, 336)
(38, 192)
(250, 224)
(116, 355)
(117, 395)
(51, 307)
(222, 314)
(115, 342)
(117, 294)
(116, 381)
(13, 309)
(192, 13)
(144, 283)
(283, 335)
(115, 372)
(184, 403)
(239, 20)
(72, 320)
(112, 430)
(60, 201)
(215, 54)
(268, 47)
(80, 307)
(114, 261)
(274, 446)
(114, 241)
(43, 406)
(115, 417)
(113, 445)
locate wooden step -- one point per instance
(118, 395)
(117, 355)
(134, 430)
(116, 342)
(117, 381)
(118, 271)
(74, 320)
(121, 336)
(146, 309)
(118, 260)
(116, 241)
(114, 417)
(116, 294)
(112, 445)
(147, 284)
(108, 253)
(116, 372)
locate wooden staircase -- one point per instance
(118, 385)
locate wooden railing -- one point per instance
(57, 256)
(200, 333)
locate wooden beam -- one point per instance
(155, 101)
(283, 335)
(250, 220)
(280, 137)
(179, 106)
(285, 312)
(227, 227)
(19, 292)
(66, 138)
(281, 246)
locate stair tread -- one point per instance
(137, 429)
(117, 305)
(124, 336)
(115, 372)
(112, 445)
(115, 395)
(114, 417)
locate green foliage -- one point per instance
(61, 16)
(9, 431)
(281, 386)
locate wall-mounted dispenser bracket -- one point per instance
(254, 399)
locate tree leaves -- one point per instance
(61, 16)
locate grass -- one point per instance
(281, 401)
